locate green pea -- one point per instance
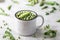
(27, 18)
(24, 19)
(24, 14)
(31, 17)
(18, 14)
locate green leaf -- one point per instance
(1, 10)
(42, 2)
(53, 9)
(58, 20)
(8, 34)
(47, 27)
(47, 13)
(57, 4)
(45, 7)
(50, 33)
(9, 7)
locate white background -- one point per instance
(12, 23)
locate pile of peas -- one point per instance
(25, 15)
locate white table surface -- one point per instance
(12, 23)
